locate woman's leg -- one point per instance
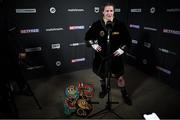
(121, 83)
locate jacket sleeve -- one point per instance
(90, 36)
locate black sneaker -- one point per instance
(127, 99)
(126, 96)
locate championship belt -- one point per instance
(84, 107)
(72, 91)
(77, 99)
(71, 96)
(86, 90)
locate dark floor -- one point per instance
(148, 94)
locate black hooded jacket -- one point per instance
(119, 38)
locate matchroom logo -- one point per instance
(54, 29)
(163, 70)
(34, 49)
(31, 10)
(173, 10)
(150, 28)
(75, 10)
(167, 51)
(35, 67)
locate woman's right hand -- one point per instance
(96, 47)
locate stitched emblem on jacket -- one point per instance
(101, 33)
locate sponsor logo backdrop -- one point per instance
(155, 32)
(52, 32)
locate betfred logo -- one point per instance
(136, 10)
(134, 26)
(171, 31)
(78, 60)
(25, 31)
(76, 44)
(76, 27)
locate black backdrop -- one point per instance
(52, 34)
(143, 21)
(155, 31)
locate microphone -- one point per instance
(109, 25)
(109, 29)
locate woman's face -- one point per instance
(108, 13)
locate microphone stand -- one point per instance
(108, 78)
